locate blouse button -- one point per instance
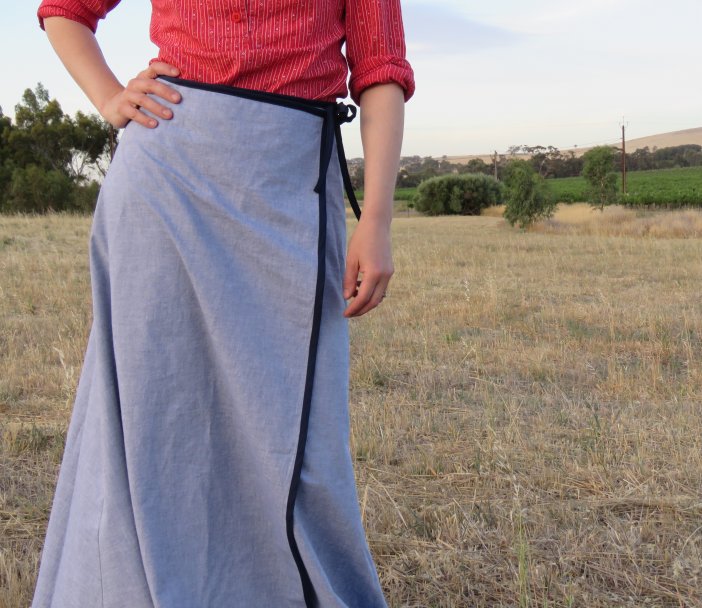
(236, 17)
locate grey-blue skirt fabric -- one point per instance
(175, 485)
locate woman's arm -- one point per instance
(369, 252)
(76, 46)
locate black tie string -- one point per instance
(334, 117)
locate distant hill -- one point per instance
(665, 140)
(662, 140)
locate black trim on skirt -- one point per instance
(334, 114)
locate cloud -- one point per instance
(440, 30)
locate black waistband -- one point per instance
(333, 113)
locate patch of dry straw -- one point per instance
(621, 221)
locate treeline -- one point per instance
(547, 161)
(550, 162)
(48, 160)
(413, 170)
(674, 157)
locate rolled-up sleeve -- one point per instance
(375, 46)
(87, 12)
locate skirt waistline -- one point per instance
(333, 113)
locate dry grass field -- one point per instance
(526, 409)
(617, 220)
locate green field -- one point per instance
(663, 187)
(401, 194)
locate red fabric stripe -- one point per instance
(291, 47)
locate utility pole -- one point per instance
(623, 156)
(495, 163)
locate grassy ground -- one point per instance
(673, 187)
(525, 411)
(616, 220)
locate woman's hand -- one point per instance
(126, 104)
(369, 253)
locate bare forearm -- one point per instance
(76, 46)
(369, 251)
(382, 125)
(80, 53)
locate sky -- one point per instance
(489, 74)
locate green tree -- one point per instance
(476, 165)
(527, 199)
(90, 145)
(47, 159)
(43, 134)
(5, 156)
(84, 197)
(466, 194)
(357, 175)
(34, 189)
(598, 171)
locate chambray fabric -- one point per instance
(179, 456)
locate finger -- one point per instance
(133, 113)
(161, 89)
(158, 68)
(141, 100)
(350, 278)
(136, 97)
(149, 103)
(377, 297)
(365, 292)
(142, 85)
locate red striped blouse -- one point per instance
(291, 47)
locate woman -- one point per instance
(207, 460)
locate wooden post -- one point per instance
(623, 157)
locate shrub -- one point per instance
(466, 194)
(84, 198)
(598, 171)
(34, 189)
(527, 197)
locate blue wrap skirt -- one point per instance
(207, 461)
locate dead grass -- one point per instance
(620, 221)
(525, 411)
(616, 220)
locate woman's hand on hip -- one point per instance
(370, 254)
(126, 104)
